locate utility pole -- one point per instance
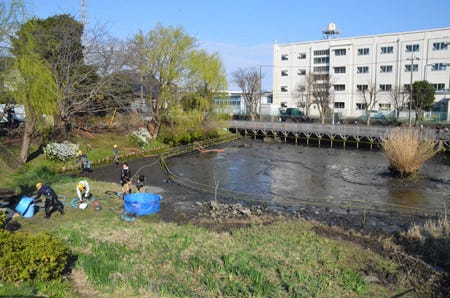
(411, 88)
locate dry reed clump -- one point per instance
(408, 149)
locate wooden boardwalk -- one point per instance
(358, 134)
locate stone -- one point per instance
(371, 279)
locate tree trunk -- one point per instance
(26, 141)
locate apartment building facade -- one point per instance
(386, 63)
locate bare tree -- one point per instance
(303, 92)
(369, 96)
(321, 91)
(399, 97)
(249, 80)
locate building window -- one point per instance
(340, 69)
(363, 52)
(385, 87)
(439, 46)
(362, 69)
(320, 60)
(360, 106)
(301, 72)
(387, 50)
(439, 67)
(340, 87)
(284, 88)
(385, 106)
(339, 105)
(407, 87)
(386, 68)
(284, 57)
(415, 67)
(321, 52)
(302, 56)
(362, 87)
(235, 100)
(439, 87)
(321, 69)
(412, 48)
(284, 73)
(340, 52)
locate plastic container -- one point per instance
(142, 203)
(26, 207)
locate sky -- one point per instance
(243, 32)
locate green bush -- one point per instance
(2, 219)
(26, 256)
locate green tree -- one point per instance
(58, 41)
(422, 97)
(33, 85)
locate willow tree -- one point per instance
(205, 80)
(163, 55)
(36, 90)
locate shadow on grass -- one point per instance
(36, 153)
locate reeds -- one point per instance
(408, 149)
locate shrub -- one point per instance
(26, 256)
(408, 149)
(2, 219)
(61, 151)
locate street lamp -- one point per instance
(260, 87)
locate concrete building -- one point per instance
(385, 63)
(233, 102)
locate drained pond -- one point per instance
(295, 175)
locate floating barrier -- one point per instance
(142, 203)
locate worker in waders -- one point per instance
(52, 203)
(85, 165)
(83, 190)
(125, 179)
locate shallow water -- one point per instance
(297, 171)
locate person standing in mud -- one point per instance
(125, 178)
(51, 199)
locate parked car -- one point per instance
(374, 115)
(292, 115)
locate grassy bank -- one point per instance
(149, 257)
(98, 148)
